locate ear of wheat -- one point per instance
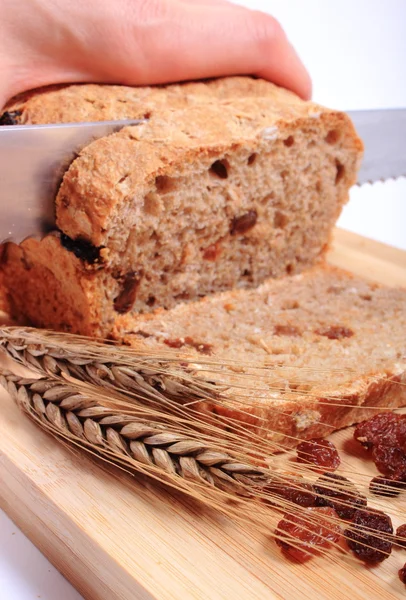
(130, 409)
(148, 444)
(150, 448)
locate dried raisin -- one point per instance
(301, 537)
(382, 486)
(175, 343)
(82, 248)
(401, 432)
(401, 536)
(212, 252)
(10, 117)
(383, 427)
(390, 461)
(369, 535)
(319, 452)
(298, 493)
(125, 300)
(335, 332)
(199, 346)
(339, 493)
(243, 223)
(188, 341)
(402, 574)
(288, 330)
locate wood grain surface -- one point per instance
(120, 538)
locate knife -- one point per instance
(33, 159)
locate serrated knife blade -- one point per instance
(33, 159)
(383, 132)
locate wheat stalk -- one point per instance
(188, 464)
(162, 385)
(167, 383)
(77, 416)
(104, 365)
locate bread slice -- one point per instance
(228, 182)
(300, 357)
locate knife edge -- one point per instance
(32, 178)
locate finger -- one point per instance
(205, 2)
(222, 39)
(282, 64)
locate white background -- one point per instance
(356, 53)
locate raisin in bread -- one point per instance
(4, 304)
(227, 183)
(300, 356)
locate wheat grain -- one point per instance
(188, 464)
(153, 381)
(162, 382)
(77, 416)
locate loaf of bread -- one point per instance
(227, 183)
(300, 357)
(202, 232)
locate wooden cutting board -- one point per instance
(120, 538)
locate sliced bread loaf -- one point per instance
(300, 357)
(228, 183)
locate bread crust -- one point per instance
(304, 420)
(94, 102)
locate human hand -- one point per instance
(140, 42)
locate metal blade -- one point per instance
(33, 159)
(384, 135)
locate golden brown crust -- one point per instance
(95, 102)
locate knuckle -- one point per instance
(153, 9)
